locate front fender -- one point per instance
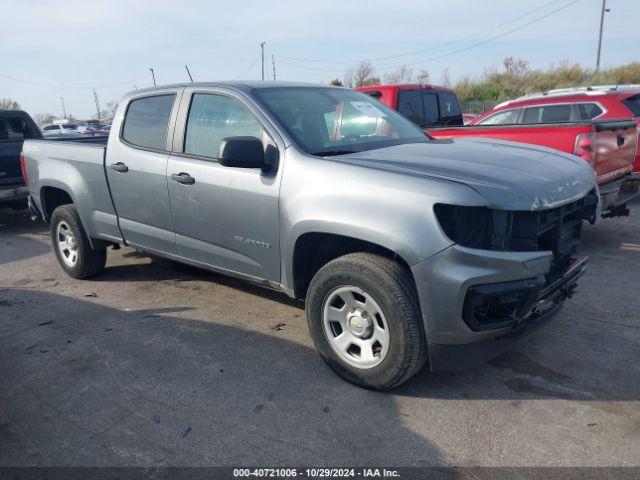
(394, 211)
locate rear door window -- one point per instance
(431, 113)
(147, 121)
(548, 114)
(410, 105)
(450, 113)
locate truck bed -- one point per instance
(613, 160)
(74, 165)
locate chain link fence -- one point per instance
(477, 106)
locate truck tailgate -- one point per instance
(614, 141)
(10, 173)
(615, 148)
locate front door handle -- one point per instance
(183, 178)
(119, 167)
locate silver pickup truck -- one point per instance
(407, 250)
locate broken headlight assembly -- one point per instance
(556, 230)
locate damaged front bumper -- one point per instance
(478, 303)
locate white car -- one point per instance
(66, 129)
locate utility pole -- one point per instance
(602, 12)
(153, 75)
(95, 97)
(262, 48)
(189, 73)
(64, 110)
(273, 65)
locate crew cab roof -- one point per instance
(404, 86)
(238, 85)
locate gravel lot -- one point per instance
(154, 363)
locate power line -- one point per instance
(454, 52)
(248, 68)
(431, 48)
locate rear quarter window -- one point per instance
(450, 113)
(15, 129)
(147, 120)
(633, 104)
(589, 111)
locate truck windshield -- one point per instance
(335, 121)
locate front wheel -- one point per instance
(72, 247)
(365, 321)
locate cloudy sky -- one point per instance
(64, 49)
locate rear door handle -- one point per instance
(119, 167)
(183, 178)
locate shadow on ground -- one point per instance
(99, 386)
(16, 230)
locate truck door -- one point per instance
(226, 217)
(137, 170)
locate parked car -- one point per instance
(86, 129)
(467, 118)
(102, 130)
(61, 129)
(407, 250)
(567, 104)
(16, 126)
(609, 146)
(425, 105)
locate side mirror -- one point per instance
(242, 152)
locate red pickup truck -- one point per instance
(610, 146)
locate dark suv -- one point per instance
(15, 127)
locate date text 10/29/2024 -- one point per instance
(316, 472)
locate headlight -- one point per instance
(475, 227)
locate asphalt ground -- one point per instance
(158, 364)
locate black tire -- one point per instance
(90, 262)
(391, 285)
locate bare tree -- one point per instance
(516, 66)
(445, 79)
(9, 104)
(112, 107)
(363, 74)
(422, 76)
(44, 118)
(402, 74)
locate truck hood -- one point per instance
(509, 175)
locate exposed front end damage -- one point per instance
(508, 273)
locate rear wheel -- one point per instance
(365, 321)
(72, 247)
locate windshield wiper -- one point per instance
(330, 153)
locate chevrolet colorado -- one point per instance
(407, 250)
